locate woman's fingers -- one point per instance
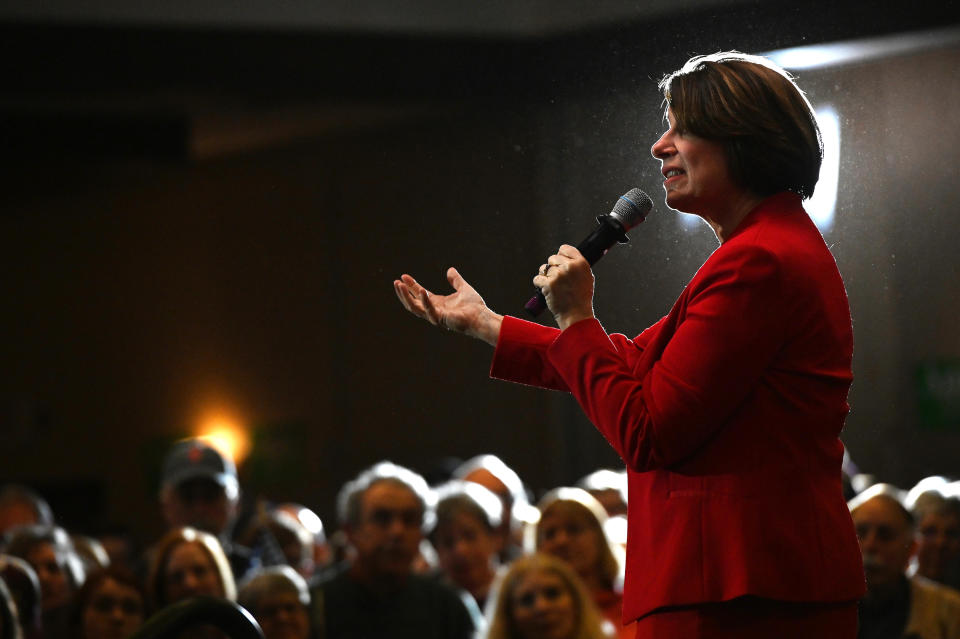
(403, 294)
(455, 279)
(411, 295)
(429, 310)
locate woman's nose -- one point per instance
(541, 603)
(661, 147)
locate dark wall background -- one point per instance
(195, 219)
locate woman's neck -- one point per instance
(725, 220)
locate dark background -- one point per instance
(199, 213)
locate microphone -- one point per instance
(629, 211)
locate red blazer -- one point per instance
(727, 414)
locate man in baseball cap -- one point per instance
(199, 488)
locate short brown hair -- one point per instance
(755, 110)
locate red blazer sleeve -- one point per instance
(726, 335)
(521, 353)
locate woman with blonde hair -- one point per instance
(571, 527)
(541, 597)
(189, 563)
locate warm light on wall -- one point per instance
(227, 436)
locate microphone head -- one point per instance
(631, 208)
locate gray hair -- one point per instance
(481, 503)
(272, 580)
(888, 492)
(350, 499)
(935, 502)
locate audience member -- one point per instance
(279, 600)
(24, 586)
(199, 489)
(91, 552)
(278, 539)
(384, 512)
(312, 523)
(21, 506)
(571, 528)
(467, 537)
(110, 605)
(120, 544)
(896, 606)
(609, 487)
(540, 597)
(188, 563)
(493, 474)
(938, 537)
(50, 553)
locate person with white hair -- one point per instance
(385, 511)
(895, 605)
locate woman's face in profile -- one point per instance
(54, 586)
(696, 175)
(114, 611)
(543, 607)
(190, 572)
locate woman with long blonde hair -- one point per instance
(541, 597)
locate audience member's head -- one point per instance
(609, 487)
(885, 530)
(120, 545)
(281, 539)
(24, 586)
(50, 553)
(21, 506)
(311, 522)
(199, 487)
(110, 605)
(467, 536)
(938, 536)
(187, 563)
(571, 527)
(279, 600)
(91, 553)
(540, 597)
(384, 512)
(493, 474)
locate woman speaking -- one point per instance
(727, 411)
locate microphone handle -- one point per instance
(607, 233)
